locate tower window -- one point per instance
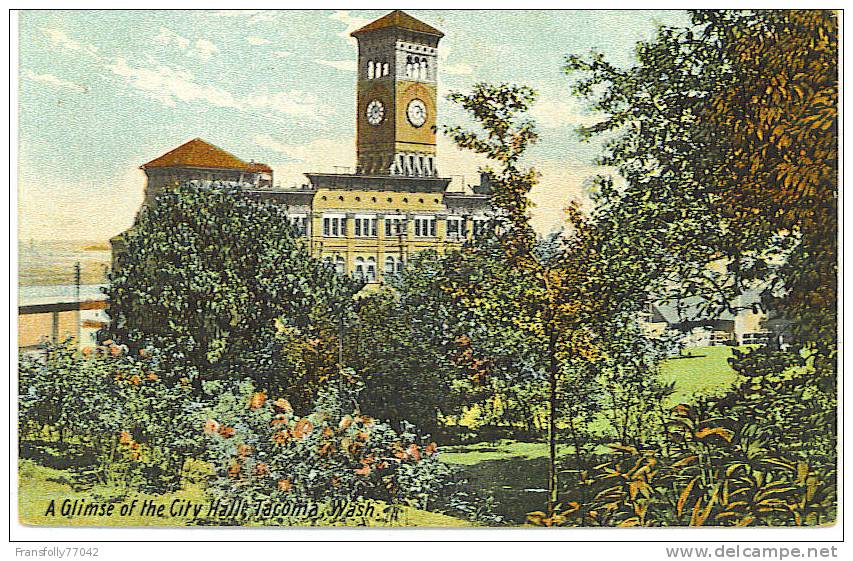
(369, 69)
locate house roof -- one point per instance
(400, 20)
(257, 166)
(198, 153)
(695, 308)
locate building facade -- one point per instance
(370, 222)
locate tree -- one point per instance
(220, 281)
(725, 132)
(566, 301)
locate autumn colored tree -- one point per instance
(727, 140)
(778, 123)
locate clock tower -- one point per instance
(397, 74)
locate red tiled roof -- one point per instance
(401, 20)
(257, 166)
(199, 154)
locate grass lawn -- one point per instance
(38, 485)
(514, 473)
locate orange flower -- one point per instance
(211, 426)
(234, 469)
(364, 470)
(184, 381)
(244, 450)
(262, 468)
(135, 455)
(258, 400)
(328, 432)
(124, 438)
(135, 380)
(363, 436)
(279, 419)
(227, 432)
(283, 405)
(115, 350)
(134, 445)
(151, 377)
(326, 449)
(335, 480)
(285, 485)
(345, 423)
(87, 351)
(303, 427)
(143, 353)
(280, 437)
(414, 452)
(430, 449)
(109, 342)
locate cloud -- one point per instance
(202, 49)
(169, 85)
(59, 38)
(345, 65)
(172, 85)
(252, 16)
(282, 54)
(351, 22)
(551, 112)
(52, 80)
(457, 68)
(295, 103)
(257, 41)
(321, 155)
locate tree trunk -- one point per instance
(553, 371)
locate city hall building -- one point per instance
(370, 222)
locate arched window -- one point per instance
(409, 67)
(371, 269)
(390, 266)
(386, 69)
(340, 265)
(423, 73)
(369, 69)
(359, 268)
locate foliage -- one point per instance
(219, 280)
(130, 413)
(725, 132)
(261, 449)
(761, 454)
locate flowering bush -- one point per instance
(261, 449)
(127, 415)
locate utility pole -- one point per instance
(77, 299)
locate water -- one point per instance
(49, 294)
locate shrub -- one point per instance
(262, 450)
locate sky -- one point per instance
(103, 92)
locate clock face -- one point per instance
(416, 112)
(375, 112)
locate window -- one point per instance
(425, 226)
(365, 269)
(393, 265)
(365, 226)
(455, 227)
(334, 225)
(299, 223)
(369, 69)
(479, 226)
(395, 225)
(340, 265)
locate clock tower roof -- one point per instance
(400, 20)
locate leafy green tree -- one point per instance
(568, 301)
(220, 281)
